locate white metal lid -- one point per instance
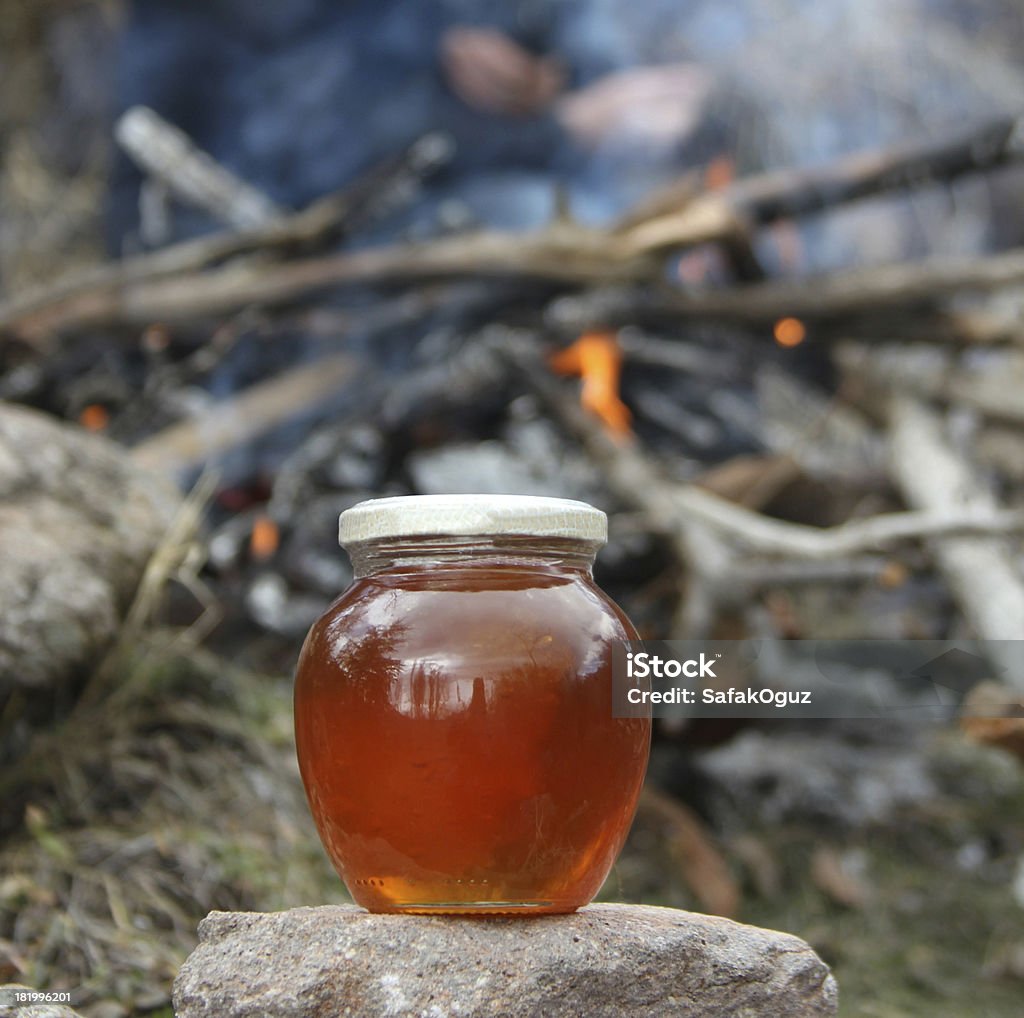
(466, 515)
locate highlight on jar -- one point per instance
(453, 709)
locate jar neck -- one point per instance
(555, 554)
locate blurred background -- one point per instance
(741, 275)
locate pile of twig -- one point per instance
(278, 262)
(217, 275)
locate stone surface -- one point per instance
(605, 960)
(78, 523)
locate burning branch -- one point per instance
(670, 505)
(706, 531)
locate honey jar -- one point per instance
(453, 708)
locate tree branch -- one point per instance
(978, 569)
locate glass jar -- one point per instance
(453, 708)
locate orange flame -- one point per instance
(596, 357)
(94, 417)
(264, 539)
(789, 332)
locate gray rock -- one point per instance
(605, 960)
(78, 523)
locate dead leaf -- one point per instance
(692, 845)
(836, 877)
(994, 715)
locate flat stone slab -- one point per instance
(605, 960)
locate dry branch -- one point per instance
(993, 389)
(563, 254)
(92, 297)
(866, 290)
(767, 197)
(863, 291)
(768, 536)
(168, 154)
(749, 578)
(252, 412)
(789, 193)
(980, 573)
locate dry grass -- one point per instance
(184, 799)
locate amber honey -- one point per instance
(454, 728)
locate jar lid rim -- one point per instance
(468, 515)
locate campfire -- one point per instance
(708, 409)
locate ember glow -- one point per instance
(789, 332)
(94, 417)
(597, 359)
(264, 540)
